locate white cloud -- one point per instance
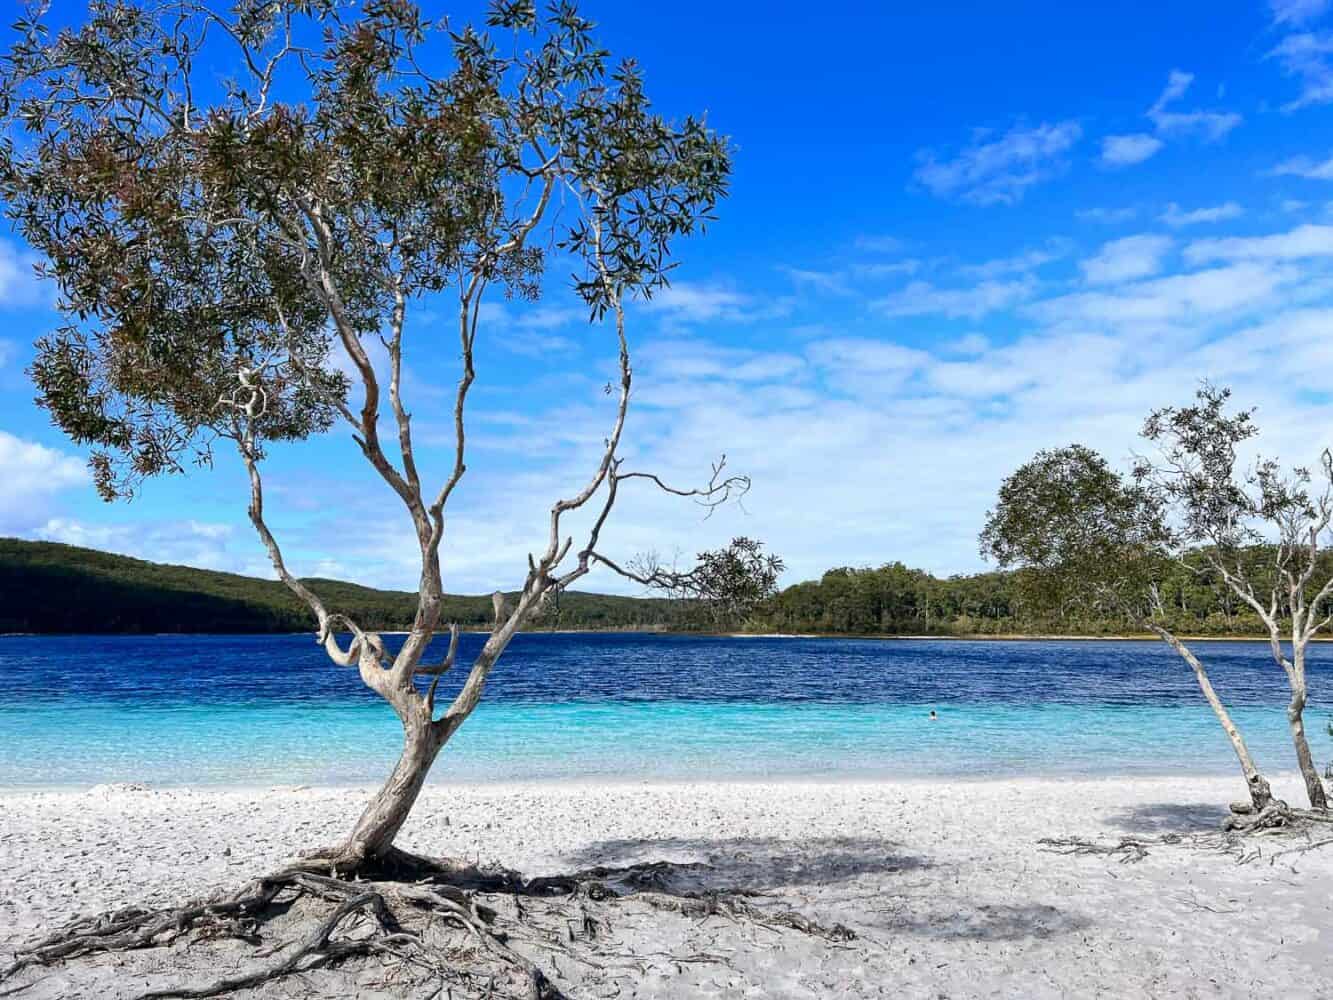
(1210, 125)
(18, 284)
(921, 298)
(34, 474)
(698, 359)
(1109, 216)
(904, 458)
(1297, 12)
(828, 282)
(1305, 166)
(884, 269)
(1020, 263)
(999, 169)
(691, 303)
(1221, 293)
(188, 542)
(1176, 217)
(873, 357)
(1302, 242)
(895, 448)
(1126, 259)
(1306, 57)
(1126, 150)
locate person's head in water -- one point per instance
(933, 716)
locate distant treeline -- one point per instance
(47, 587)
(898, 600)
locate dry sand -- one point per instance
(945, 883)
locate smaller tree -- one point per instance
(1084, 537)
(1235, 513)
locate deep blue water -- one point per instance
(76, 710)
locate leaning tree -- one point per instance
(244, 206)
(1259, 528)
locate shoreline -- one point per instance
(876, 636)
(627, 783)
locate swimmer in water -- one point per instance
(933, 716)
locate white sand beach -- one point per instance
(945, 884)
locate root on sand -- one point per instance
(1277, 819)
(465, 930)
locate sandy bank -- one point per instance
(946, 885)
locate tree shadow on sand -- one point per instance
(828, 865)
(1170, 817)
(990, 922)
(759, 864)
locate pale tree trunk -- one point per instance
(384, 816)
(1261, 794)
(1314, 785)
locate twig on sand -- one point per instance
(1302, 849)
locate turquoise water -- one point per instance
(266, 710)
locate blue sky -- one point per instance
(958, 233)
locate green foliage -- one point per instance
(211, 236)
(1085, 537)
(61, 588)
(725, 586)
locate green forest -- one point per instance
(898, 600)
(50, 587)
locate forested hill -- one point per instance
(48, 587)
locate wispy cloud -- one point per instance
(921, 298)
(1302, 242)
(1126, 150)
(1297, 12)
(1176, 217)
(998, 170)
(1306, 57)
(1023, 262)
(1209, 125)
(1109, 216)
(887, 268)
(1305, 166)
(1221, 293)
(1126, 259)
(691, 303)
(826, 282)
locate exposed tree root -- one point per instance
(1277, 815)
(431, 922)
(1129, 849)
(1276, 819)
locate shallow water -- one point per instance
(239, 710)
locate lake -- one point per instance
(262, 710)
